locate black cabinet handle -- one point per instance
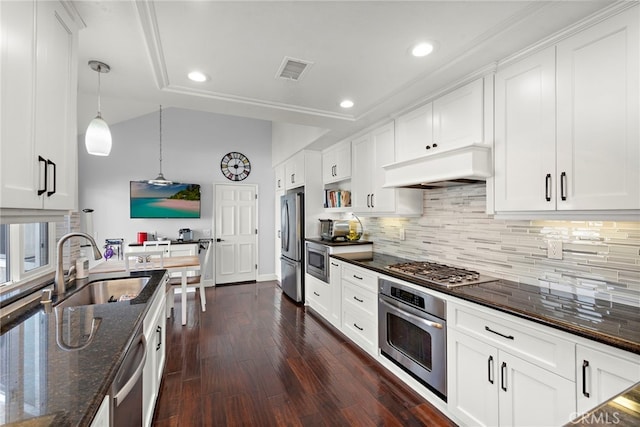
(372, 205)
(279, 184)
(547, 187)
(335, 265)
(585, 365)
(42, 160)
(503, 380)
(368, 200)
(563, 186)
(490, 369)
(509, 337)
(55, 178)
(316, 294)
(435, 145)
(357, 299)
(292, 175)
(159, 332)
(357, 277)
(428, 147)
(358, 327)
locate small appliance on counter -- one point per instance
(185, 235)
(334, 230)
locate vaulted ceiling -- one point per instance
(359, 50)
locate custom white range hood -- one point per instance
(442, 168)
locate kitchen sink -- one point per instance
(105, 291)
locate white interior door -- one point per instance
(235, 233)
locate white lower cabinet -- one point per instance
(360, 307)
(317, 295)
(504, 373)
(335, 277)
(155, 334)
(603, 372)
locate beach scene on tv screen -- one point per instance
(175, 200)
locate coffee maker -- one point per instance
(185, 235)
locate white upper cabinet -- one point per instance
(566, 134)
(598, 163)
(38, 146)
(279, 172)
(525, 139)
(39, 83)
(294, 170)
(370, 153)
(336, 163)
(451, 121)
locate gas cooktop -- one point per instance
(440, 274)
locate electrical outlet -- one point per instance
(554, 249)
(401, 234)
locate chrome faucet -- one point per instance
(60, 286)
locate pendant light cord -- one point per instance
(160, 139)
(99, 106)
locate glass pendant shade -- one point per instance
(97, 140)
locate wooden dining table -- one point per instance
(173, 264)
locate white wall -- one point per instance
(193, 143)
(289, 138)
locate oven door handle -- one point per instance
(397, 306)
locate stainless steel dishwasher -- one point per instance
(126, 389)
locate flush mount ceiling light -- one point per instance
(160, 179)
(97, 139)
(422, 49)
(347, 103)
(197, 76)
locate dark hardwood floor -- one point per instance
(255, 358)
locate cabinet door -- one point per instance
(362, 162)
(279, 172)
(383, 140)
(21, 175)
(473, 378)
(415, 133)
(532, 396)
(598, 138)
(343, 162)
(602, 375)
(329, 166)
(335, 275)
(458, 117)
(294, 171)
(56, 86)
(525, 134)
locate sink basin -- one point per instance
(106, 291)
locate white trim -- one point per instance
(266, 277)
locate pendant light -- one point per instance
(160, 179)
(97, 139)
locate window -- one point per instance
(26, 252)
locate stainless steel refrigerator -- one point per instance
(292, 259)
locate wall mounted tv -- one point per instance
(176, 200)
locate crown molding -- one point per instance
(149, 24)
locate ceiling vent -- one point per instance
(293, 69)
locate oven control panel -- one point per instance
(408, 297)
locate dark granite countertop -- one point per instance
(46, 385)
(337, 243)
(617, 325)
(622, 410)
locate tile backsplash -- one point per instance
(599, 258)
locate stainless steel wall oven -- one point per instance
(413, 333)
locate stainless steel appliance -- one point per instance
(334, 229)
(126, 389)
(440, 274)
(413, 333)
(292, 259)
(317, 261)
(185, 235)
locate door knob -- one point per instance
(219, 240)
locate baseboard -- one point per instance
(266, 277)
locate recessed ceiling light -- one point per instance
(347, 103)
(422, 49)
(197, 76)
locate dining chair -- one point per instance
(143, 260)
(192, 282)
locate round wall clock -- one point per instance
(235, 166)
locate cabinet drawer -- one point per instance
(318, 295)
(362, 330)
(360, 276)
(364, 299)
(536, 343)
